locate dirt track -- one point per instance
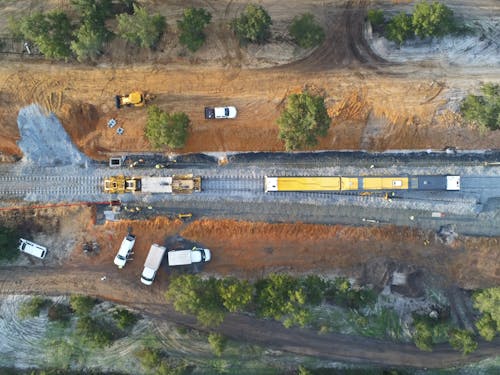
(268, 333)
(374, 105)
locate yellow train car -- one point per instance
(385, 183)
(349, 183)
(302, 183)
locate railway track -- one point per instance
(56, 186)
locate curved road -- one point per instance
(125, 288)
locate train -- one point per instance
(360, 184)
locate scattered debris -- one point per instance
(446, 234)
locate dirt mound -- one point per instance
(84, 114)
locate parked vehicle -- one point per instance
(32, 248)
(125, 250)
(186, 257)
(220, 112)
(152, 264)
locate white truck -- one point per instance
(152, 263)
(186, 257)
(125, 250)
(220, 112)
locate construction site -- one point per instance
(402, 194)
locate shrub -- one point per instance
(141, 28)
(253, 25)
(193, 21)
(314, 287)
(376, 17)
(487, 327)
(483, 109)
(303, 120)
(124, 319)
(431, 20)
(306, 32)
(217, 343)
(463, 341)
(31, 308)
(51, 32)
(9, 240)
(423, 335)
(399, 28)
(149, 357)
(164, 129)
(59, 312)
(82, 305)
(97, 333)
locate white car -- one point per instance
(220, 112)
(125, 250)
(32, 248)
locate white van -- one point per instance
(32, 248)
(125, 250)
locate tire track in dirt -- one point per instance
(344, 45)
(123, 288)
(29, 89)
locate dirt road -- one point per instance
(374, 105)
(57, 281)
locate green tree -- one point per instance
(463, 341)
(434, 19)
(51, 32)
(306, 32)
(164, 129)
(124, 319)
(281, 296)
(97, 333)
(31, 308)
(399, 28)
(141, 28)
(9, 239)
(191, 26)
(314, 287)
(217, 343)
(235, 294)
(94, 11)
(89, 42)
(376, 17)
(273, 295)
(82, 305)
(254, 25)
(488, 302)
(422, 336)
(191, 295)
(483, 109)
(304, 119)
(487, 327)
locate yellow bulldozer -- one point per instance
(135, 99)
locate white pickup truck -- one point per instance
(125, 250)
(186, 257)
(220, 112)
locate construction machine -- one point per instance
(136, 99)
(177, 184)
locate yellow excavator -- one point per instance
(135, 99)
